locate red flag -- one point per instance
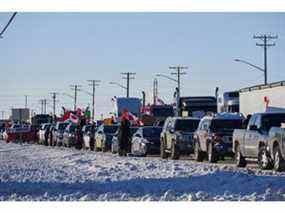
(73, 118)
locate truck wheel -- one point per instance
(163, 154)
(239, 159)
(264, 160)
(175, 154)
(198, 155)
(212, 155)
(279, 163)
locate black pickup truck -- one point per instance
(252, 143)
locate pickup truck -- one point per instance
(276, 146)
(252, 143)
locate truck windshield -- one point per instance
(275, 120)
(225, 125)
(110, 129)
(189, 125)
(163, 112)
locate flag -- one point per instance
(87, 113)
(159, 101)
(73, 118)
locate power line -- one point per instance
(265, 38)
(7, 25)
(94, 83)
(129, 76)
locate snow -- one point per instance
(36, 172)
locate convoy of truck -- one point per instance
(246, 125)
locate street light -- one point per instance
(115, 83)
(165, 76)
(67, 95)
(256, 67)
(86, 92)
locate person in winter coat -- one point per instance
(46, 137)
(124, 135)
(79, 137)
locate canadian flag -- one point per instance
(134, 119)
(73, 118)
(79, 112)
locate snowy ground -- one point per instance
(35, 172)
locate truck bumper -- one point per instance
(186, 147)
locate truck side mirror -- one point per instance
(253, 128)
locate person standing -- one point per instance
(124, 134)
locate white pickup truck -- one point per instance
(253, 143)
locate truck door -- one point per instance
(251, 137)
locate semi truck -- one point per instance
(20, 115)
(229, 102)
(263, 98)
(197, 106)
(131, 104)
(39, 119)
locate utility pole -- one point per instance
(26, 101)
(43, 103)
(54, 103)
(178, 72)
(129, 76)
(93, 83)
(76, 89)
(3, 114)
(155, 91)
(265, 38)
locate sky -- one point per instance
(42, 53)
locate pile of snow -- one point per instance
(35, 172)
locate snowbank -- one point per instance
(35, 172)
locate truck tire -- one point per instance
(239, 159)
(212, 155)
(279, 162)
(198, 155)
(175, 152)
(163, 154)
(264, 160)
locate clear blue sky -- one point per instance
(46, 52)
